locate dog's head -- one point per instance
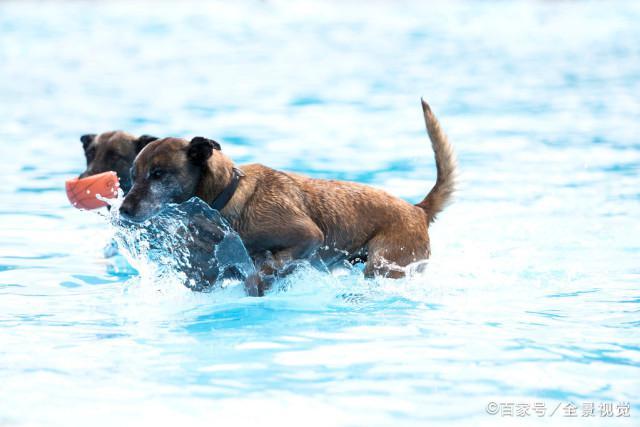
(113, 151)
(173, 170)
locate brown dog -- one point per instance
(113, 151)
(284, 216)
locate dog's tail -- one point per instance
(445, 185)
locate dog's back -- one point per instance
(352, 217)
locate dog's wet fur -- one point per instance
(113, 151)
(283, 216)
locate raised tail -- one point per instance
(441, 193)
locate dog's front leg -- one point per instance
(254, 285)
(298, 241)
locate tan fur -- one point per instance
(112, 151)
(119, 140)
(105, 145)
(216, 177)
(285, 216)
(441, 193)
(292, 215)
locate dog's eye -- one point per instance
(112, 154)
(156, 174)
(90, 154)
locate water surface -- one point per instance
(531, 294)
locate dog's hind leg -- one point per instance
(389, 252)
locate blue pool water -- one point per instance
(532, 292)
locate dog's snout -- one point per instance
(90, 172)
(127, 210)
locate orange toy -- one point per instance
(82, 191)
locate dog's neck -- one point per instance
(216, 175)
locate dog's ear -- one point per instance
(143, 141)
(87, 140)
(200, 149)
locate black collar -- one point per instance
(227, 193)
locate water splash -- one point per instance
(189, 243)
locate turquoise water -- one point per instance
(532, 292)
